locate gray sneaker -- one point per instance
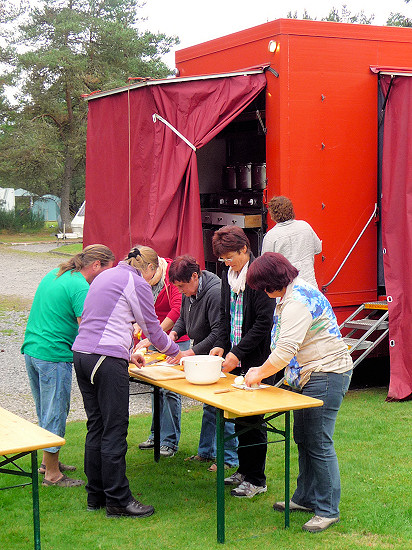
(318, 524)
(148, 444)
(167, 451)
(248, 490)
(234, 479)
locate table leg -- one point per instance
(156, 422)
(220, 476)
(35, 495)
(287, 468)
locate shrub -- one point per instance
(21, 221)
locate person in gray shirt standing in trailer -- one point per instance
(294, 239)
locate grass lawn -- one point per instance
(47, 235)
(374, 447)
(73, 248)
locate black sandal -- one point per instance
(64, 481)
(62, 468)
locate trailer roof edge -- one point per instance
(391, 71)
(174, 80)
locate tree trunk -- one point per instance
(68, 164)
(65, 193)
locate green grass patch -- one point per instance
(70, 249)
(42, 235)
(14, 303)
(8, 332)
(374, 448)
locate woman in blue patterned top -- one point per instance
(307, 343)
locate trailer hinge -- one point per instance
(270, 69)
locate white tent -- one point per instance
(7, 199)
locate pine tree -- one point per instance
(62, 50)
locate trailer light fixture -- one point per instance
(272, 46)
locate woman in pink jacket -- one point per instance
(167, 300)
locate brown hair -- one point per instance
(281, 209)
(182, 269)
(140, 257)
(271, 272)
(229, 239)
(90, 254)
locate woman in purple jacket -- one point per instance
(102, 351)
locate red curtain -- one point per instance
(141, 178)
(397, 230)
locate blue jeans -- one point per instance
(318, 483)
(207, 441)
(50, 385)
(170, 404)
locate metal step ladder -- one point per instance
(375, 321)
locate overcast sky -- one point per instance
(195, 22)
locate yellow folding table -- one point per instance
(230, 403)
(19, 437)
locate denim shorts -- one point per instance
(51, 386)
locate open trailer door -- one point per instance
(141, 166)
(396, 211)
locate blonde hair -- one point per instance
(140, 257)
(90, 254)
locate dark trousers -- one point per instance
(106, 402)
(252, 449)
(253, 446)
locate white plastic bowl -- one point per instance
(202, 369)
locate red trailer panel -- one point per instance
(321, 142)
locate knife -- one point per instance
(152, 362)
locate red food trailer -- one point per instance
(295, 108)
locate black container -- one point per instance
(259, 180)
(244, 176)
(229, 177)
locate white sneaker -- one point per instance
(318, 524)
(248, 490)
(167, 451)
(148, 444)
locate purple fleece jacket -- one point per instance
(117, 298)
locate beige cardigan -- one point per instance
(306, 336)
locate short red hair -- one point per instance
(271, 272)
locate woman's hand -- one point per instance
(138, 360)
(253, 376)
(230, 362)
(173, 335)
(176, 360)
(142, 344)
(217, 351)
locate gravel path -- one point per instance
(21, 269)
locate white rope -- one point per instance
(158, 117)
